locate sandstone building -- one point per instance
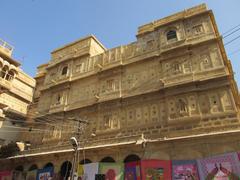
(16, 91)
(169, 95)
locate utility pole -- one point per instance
(75, 143)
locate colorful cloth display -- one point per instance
(88, 171)
(222, 167)
(31, 175)
(6, 175)
(112, 171)
(80, 170)
(156, 169)
(45, 174)
(132, 171)
(184, 170)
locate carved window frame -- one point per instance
(65, 70)
(196, 27)
(171, 35)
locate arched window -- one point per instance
(66, 169)
(59, 99)
(171, 35)
(65, 70)
(132, 158)
(4, 71)
(85, 161)
(182, 106)
(10, 75)
(108, 159)
(33, 167)
(19, 168)
(49, 165)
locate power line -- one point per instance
(231, 33)
(232, 40)
(231, 29)
(25, 131)
(34, 122)
(33, 129)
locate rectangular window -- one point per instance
(198, 29)
(109, 122)
(110, 85)
(79, 68)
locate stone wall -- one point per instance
(174, 81)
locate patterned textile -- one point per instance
(31, 175)
(156, 170)
(185, 170)
(45, 174)
(80, 170)
(112, 171)
(222, 167)
(88, 171)
(132, 171)
(6, 175)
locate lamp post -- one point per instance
(75, 146)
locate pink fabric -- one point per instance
(6, 175)
(219, 167)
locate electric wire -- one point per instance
(32, 129)
(39, 123)
(231, 29)
(231, 33)
(232, 40)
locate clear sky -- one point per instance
(36, 27)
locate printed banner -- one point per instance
(6, 175)
(184, 170)
(45, 174)
(31, 175)
(132, 171)
(222, 167)
(156, 169)
(112, 171)
(88, 171)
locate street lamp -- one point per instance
(75, 146)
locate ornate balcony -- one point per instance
(6, 48)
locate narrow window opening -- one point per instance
(65, 70)
(171, 35)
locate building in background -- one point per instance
(169, 95)
(16, 91)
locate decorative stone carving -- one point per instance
(226, 100)
(214, 102)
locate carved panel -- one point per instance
(193, 105)
(226, 100)
(204, 103)
(215, 104)
(154, 112)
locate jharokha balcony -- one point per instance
(6, 48)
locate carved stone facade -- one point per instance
(172, 90)
(16, 91)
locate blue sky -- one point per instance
(36, 27)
